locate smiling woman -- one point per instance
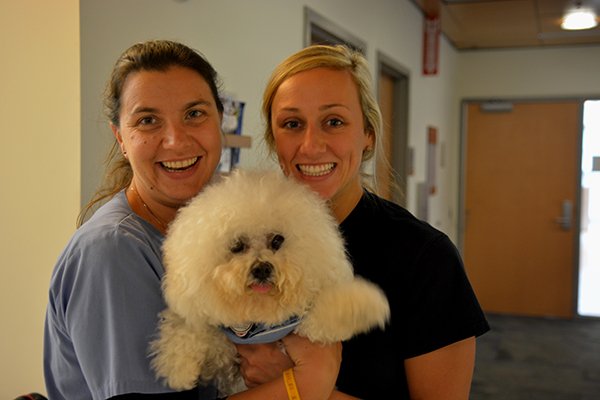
(163, 106)
(169, 131)
(323, 123)
(146, 118)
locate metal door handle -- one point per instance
(565, 220)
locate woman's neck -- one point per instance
(342, 205)
(141, 208)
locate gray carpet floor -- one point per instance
(525, 358)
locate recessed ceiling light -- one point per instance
(579, 18)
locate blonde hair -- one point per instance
(338, 57)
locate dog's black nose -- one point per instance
(261, 270)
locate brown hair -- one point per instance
(155, 55)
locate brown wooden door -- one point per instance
(386, 103)
(392, 171)
(521, 167)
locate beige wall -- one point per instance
(524, 74)
(39, 173)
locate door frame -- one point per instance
(318, 29)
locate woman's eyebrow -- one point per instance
(197, 103)
(333, 105)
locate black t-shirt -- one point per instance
(431, 300)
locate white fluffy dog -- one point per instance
(255, 250)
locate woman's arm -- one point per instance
(445, 373)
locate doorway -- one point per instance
(589, 250)
(393, 101)
(519, 200)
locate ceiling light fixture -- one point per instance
(578, 18)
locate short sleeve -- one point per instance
(105, 300)
(443, 306)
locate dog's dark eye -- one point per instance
(239, 246)
(276, 242)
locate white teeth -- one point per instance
(316, 170)
(179, 164)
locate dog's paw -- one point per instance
(183, 380)
(179, 370)
(184, 356)
(175, 354)
(346, 310)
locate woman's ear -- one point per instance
(369, 148)
(370, 139)
(371, 135)
(117, 133)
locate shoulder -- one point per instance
(379, 232)
(389, 221)
(113, 238)
(115, 224)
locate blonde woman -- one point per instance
(322, 124)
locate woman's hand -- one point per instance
(262, 363)
(315, 367)
(302, 351)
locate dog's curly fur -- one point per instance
(254, 220)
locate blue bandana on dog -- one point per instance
(257, 333)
